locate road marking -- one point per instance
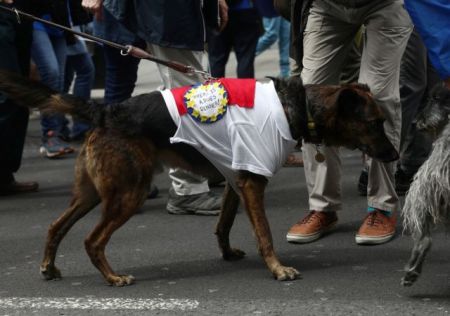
(97, 303)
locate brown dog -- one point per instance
(116, 163)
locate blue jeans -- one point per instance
(49, 55)
(82, 67)
(121, 75)
(276, 29)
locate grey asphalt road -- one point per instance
(177, 264)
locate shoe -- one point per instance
(377, 228)
(153, 192)
(54, 147)
(402, 182)
(293, 160)
(207, 203)
(362, 182)
(15, 187)
(312, 227)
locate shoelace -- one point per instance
(308, 219)
(374, 219)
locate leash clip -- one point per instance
(127, 51)
(205, 74)
(17, 15)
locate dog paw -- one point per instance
(286, 274)
(409, 278)
(121, 280)
(50, 272)
(233, 254)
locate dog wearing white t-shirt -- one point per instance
(243, 130)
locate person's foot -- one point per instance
(377, 228)
(402, 182)
(312, 227)
(15, 187)
(208, 203)
(54, 147)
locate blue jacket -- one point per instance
(432, 20)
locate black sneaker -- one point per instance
(362, 182)
(208, 203)
(402, 182)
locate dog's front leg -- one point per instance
(230, 204)
(252, 187)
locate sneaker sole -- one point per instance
(181, 211)
(303, 239)
(44, 152)
(368, 240)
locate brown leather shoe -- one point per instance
(15, 187)
(312, 227)
(377, 228)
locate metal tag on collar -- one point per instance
(319, 157)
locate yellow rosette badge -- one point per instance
(206, 103)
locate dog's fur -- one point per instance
(428, 198)
(116, 163)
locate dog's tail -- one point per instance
(33, 94)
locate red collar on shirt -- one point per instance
(241, 92)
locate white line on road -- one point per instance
(97, 303)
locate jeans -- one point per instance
(276, 29)
(121, 75)
(49, 55)
(82, 67)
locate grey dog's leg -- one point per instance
(422, 244)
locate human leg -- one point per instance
(387, 32)
(49, 55)
(15, 40)
(186, 184)
(327, 40)
(84, 79)
(270, 36)
(283, 46)
(246, 30)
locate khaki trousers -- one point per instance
(328, 38)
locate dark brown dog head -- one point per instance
(435, 115)
(343, 115)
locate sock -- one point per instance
(384, 212)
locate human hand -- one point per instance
(223, 13)
(93, 6)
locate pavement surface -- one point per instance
(176, 261)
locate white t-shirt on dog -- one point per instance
(255, 139)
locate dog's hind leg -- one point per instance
(252, 187)
(116, 212)
(422, 244)
(85, 198)
(230, 204)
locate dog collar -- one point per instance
(313, 133)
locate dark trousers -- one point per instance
(417, 77)
(120, 74)
(241, 35)
(15, 43)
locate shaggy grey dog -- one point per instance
(428, 199)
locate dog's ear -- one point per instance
(278, 82)
(349, 102)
